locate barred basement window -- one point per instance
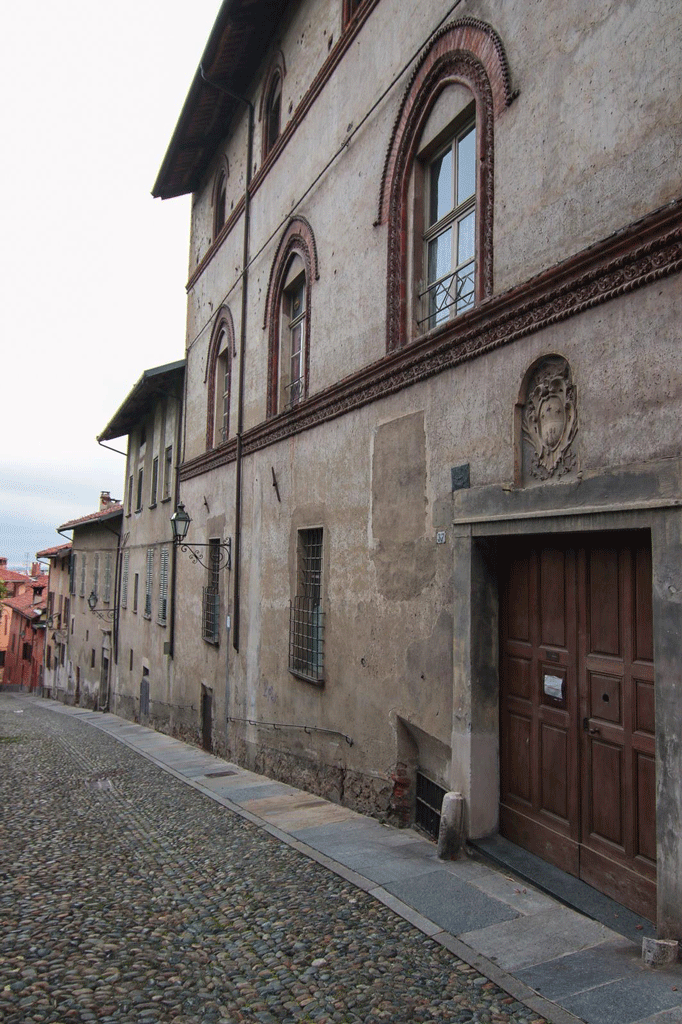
(149, 576)
(163, 586)
(124, 579)
(107, 578)
(210, 609)
(429, 801)
(306, 617)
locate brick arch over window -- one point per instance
(272, 85)
(223, 325)
(219, 197)
(468, 53)
(298, 240)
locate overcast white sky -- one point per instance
(93, 269)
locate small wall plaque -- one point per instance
(553, 687)
(440, 537)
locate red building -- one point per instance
(16, 583)
(24, 655)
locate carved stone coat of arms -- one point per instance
(550, 418)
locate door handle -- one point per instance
(588, 730)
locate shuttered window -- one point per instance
(107, 578)
(149, 577)
(95, 576)
(163, 586)
(124, 579)
(72, 575)
(83, 563)
(155, 479)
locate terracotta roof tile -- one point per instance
(105, 513)
(61, 549)
(9, 576)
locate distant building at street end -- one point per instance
(86, 634)
(24, 655)
(57, 621)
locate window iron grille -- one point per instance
(210, 612)
(306, 617)
(306, 638)
(454, 291)
(429, 801)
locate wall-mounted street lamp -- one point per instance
(220, 555)
(106, 614)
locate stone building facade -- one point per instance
(142, 673)
(88, 624)
(59, 589)
(432, 395)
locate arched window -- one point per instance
(437, 186)
(273, 114)
(220, 202)
(219, 381)
(270, 112)
(287, 317)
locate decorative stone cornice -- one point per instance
(638, 255)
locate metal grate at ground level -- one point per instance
(429, 801)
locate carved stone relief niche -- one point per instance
(546, 423)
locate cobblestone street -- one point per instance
(128, 896)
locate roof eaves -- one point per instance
(130, 410)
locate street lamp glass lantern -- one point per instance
(92, 600)
(180, 521)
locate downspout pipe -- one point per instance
(236, 552)
(177, 459)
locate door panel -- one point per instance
(577, 713)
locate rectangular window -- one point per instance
(92, 658)
(130, 494)
(140, 484)
(155, 480)
(67, 612)
(107, 578)
(136, 588)
(163, 586)
(82, 586)
(72, 575)
(168, 472)
(26, 652)
(130, 667)
(125, 571)
(148, 581)
(48, 663)
(450, 236)
(210, 618)
(306, 617)
(62, 655)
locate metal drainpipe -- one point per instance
(236, 560)
(174, 565)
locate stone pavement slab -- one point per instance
(451, 903)
(538, 938)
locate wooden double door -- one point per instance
(577, 717)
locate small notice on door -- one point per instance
(554, 687)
